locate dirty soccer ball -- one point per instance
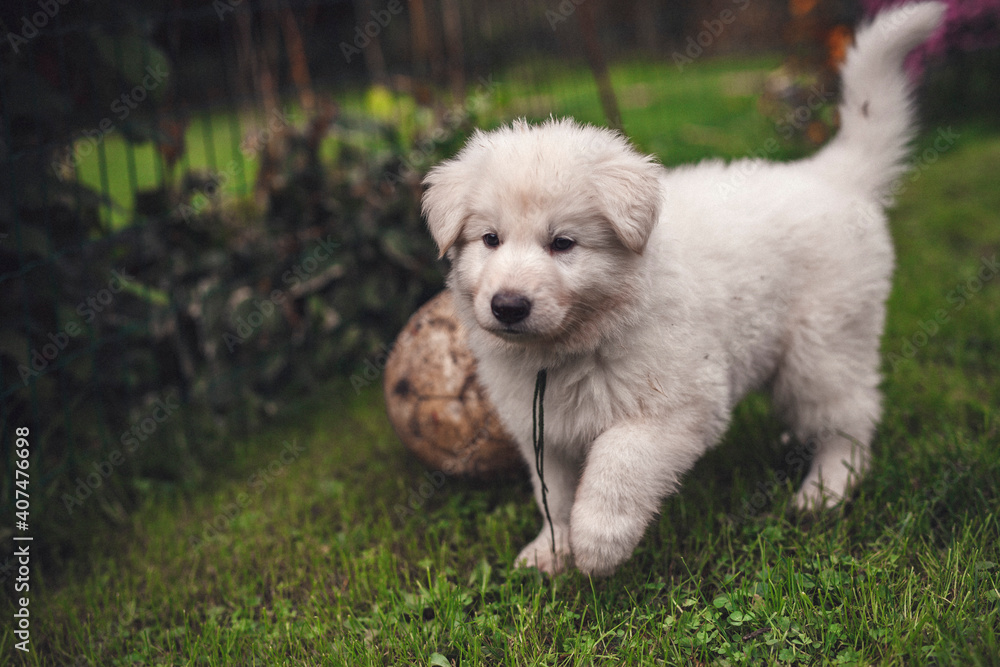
(435, 401)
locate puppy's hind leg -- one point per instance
(840, 443)
(829, 394)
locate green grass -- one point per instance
(118, 168)
(679, 116)
(322, 560)
(672, 113)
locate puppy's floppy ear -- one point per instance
(445, 201)
(627, 191)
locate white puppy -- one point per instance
(658, 298)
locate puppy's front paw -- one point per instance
(539, 553)
(823, 491)
(815, 496)
(602, 540)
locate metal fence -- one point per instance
(163, 182)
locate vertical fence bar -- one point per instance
(235, 117)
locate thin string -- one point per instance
(538, 440)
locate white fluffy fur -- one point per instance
(685, 289)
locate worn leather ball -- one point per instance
(436, 403)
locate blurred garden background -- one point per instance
(209, 210)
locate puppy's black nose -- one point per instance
(509, 307)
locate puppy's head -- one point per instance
(544, 226)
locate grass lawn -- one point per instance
(326, 543)
(681, 116)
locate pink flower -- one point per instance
(969, 25)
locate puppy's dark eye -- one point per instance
(491, 240)
(561, 244)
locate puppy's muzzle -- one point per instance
(510, 307)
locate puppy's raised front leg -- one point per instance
(561, 475)
(629, 470)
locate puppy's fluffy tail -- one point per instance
(877, 114)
